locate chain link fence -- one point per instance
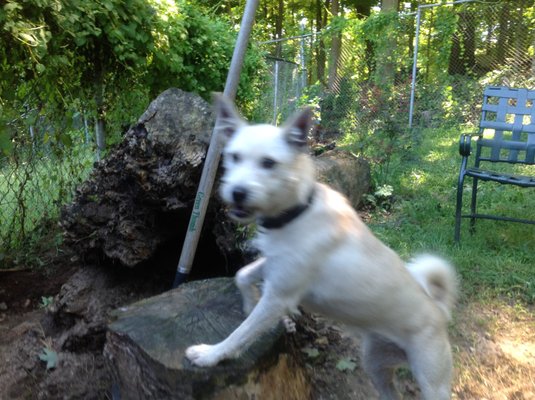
(422, 69)
(465, 47)
(368, 80)
(288, 60)
(37, 177)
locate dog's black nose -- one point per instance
(239, 194)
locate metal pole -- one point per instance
(414, 61)
(284, 39)
(275, 92)
(214, 151)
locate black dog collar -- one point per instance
(286, 216)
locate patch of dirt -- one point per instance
(324, 346)
(22, 290)
(333, 363)
(493, 348)
(71, 328)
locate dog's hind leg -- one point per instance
(380, 358)
(431, 362)
(247, 279)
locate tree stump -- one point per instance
(146, 343)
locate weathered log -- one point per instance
(146, 343)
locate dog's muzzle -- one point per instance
(238, 209)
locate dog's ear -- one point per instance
(298, 127)
(228, 119)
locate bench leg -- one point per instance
(473, 206)
(458, 210)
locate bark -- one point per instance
(336, 49)
(320, 47)
(279, 19)
(100, 136)
(503, 34)
(384, 63)
(389, 5)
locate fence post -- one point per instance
(276, 92)
(414, 61)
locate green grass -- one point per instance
(499, 259)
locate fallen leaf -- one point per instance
(345, 364)
(310, 352)
(50, 357)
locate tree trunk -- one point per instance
(100, 125)
(364, 11)
(503, 34)
(336, 48)
(469, 36)
(100, 136)
(389, 5)
(385, 64)
(146, 343)
(87, 139)
(278, 28)
(320, 46)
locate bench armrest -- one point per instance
(465, 145)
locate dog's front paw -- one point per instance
(203, 355)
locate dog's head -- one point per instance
(267, 168)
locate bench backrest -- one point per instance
(508, 115)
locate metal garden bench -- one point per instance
(506, 135)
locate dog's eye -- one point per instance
(235, 157)
(268, 163)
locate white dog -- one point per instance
(318, 254)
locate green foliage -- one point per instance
(190, 49)
(5, 141)
(439, 44)
(453, 101)
(382, 197)
(384, 32)
(98, 58)
(66, 63)
(378, 133)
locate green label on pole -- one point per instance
(196, 211)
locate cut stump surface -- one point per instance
(146, 343)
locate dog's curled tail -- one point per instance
(438, 278)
